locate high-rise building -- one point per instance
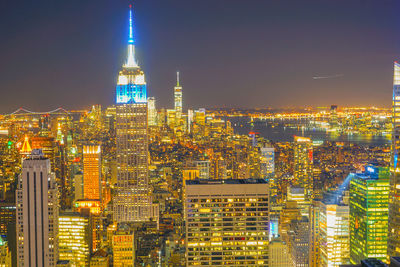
(303, 161)
(178, 98)
(289, 213)
(189, 120)
(267, 163)
(152, 111)
(369, 196)
(91, 172)
(299, 242)
(133, 200)
(394, 195)
(254, 162)
(123, 244)
(37, 213)
(298, 194)
(314, 230)
(172, 122)
(78, 186)
(226, 222)
(74, 238)
(278, 254)
(199, 116)
(334, 236)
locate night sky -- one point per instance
(231, 53)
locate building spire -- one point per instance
(177, 79)
(26, 147)
(130, 40)
(131, 60)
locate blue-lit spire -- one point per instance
(130, 40)
(131, 60)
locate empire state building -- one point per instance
(132, 201)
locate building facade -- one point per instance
(37, 213)
(334, 236)
(132, 201)
(92, 172)
(278, 254)
(227, 222)
(314, 246)
(394, 195)
(268, 163)
(152, 111)
(369, 197)
(303, 162)
(74, 238)
(123, 244)
(299, 242)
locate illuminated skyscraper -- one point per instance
(278, 254)
(133, 201)
(178, 98)
(334, 235)
(189, 120)
(267, 163)
(226, 222)
(37, 213)
(303, 161)
(123, 244)
(152, 111)
(369, 214)
(298, 194)
(394, 195)
(91, 172)
(299, 242)
(314, 231)
(289, 213)
(75, 238)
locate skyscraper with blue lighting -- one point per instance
(133, 200)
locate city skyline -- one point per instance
(290, 55)
(132, 183)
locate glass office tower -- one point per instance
(369, 214)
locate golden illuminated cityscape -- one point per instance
(135, 184)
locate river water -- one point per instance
(283, 131)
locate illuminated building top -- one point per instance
(26, 147)
(131, 86)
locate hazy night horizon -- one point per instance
(230, 53)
